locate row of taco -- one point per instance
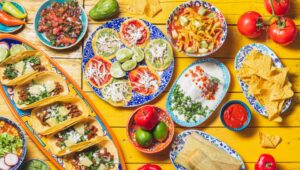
(64, 120)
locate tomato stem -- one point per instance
(272, 6)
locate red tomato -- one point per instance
(250, 24)
(283, 31)
(146, 117)
(281, 7)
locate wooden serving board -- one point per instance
(23, 116)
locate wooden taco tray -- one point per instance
(23, 116)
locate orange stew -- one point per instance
(235, 116)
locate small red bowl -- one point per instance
(156, 146)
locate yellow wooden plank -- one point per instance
(282, 166)
(245, 143)
(182, 63)
(118, 117)
(227, 7)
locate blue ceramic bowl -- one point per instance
(7, 29)
(24, 150)
(235, 102)
(44, 39)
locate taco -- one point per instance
(118, 92)
(103, 155)
(17, 68)
(98, 71)
(144, 81)
(76, 138)
(134, 32)
(158, 54)
(58, 115)
(39, 90)
(106, 43)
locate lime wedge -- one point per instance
(3, 53)
(17, 48)
(124, 54)
(129, 65)
(116, 70)
(138, 54)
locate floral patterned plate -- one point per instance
(179, 141)
(239, 59)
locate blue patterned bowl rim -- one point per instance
(84, 22)
(226, 76)
(24, 148)
(179, 141)
(211, 7)
(248, 114)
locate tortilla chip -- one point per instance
(152, 8)
(137, 7)
(269, 141)
(279, 93)
(278, 76)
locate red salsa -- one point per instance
(235, 116)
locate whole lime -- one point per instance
(143, 137)
(160, 131)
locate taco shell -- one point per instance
(51, 140)
(39, 78)
(106, 142)
(16, 59)
(48, 130)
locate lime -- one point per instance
(138, 54)
(3, 53)
(17, 48)
(160, 131)
(124, 54)
(129, 65)
(116, 70)
(143, 137)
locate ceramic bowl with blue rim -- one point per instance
(44, 39)
(137, 99)
(9, 29)
(22, 136)
(249, 115)
(206, 5)
(238, 62)
(179, 142)
(214, 69)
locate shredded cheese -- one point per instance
(108, 44)
(158, 52)
(133, 34)
(95, 72)
(146, 81)
(117, 91)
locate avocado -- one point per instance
(104, 9)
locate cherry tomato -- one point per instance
(283, 31)
(146, 117)
(250, 24)
(281, 7)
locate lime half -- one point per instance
(129, 65)
(17, 48)
(138, 54)
(3, 53)
(124, 54)
(116, 70)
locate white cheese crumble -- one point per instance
(108, 44)
(94, 72)
(158, 52)
(36, 89)
(147, 81)
(133, 34)
(117, 91)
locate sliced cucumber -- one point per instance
(124, 54)
(129, 65)
(138, 54)
(17, 48)
(116, 70)
(3, 53)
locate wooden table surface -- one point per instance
(246, 143)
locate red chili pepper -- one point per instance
(265, 162)
(146, 117)
(150, 167)
(9, 20)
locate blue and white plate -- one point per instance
(179, 142)
(44, 39)
(24, 148)
(239, 59)
(197, 3)
(8, 29)
(211, 67)
(137, 99)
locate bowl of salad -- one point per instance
(60, 24)
(12, 145)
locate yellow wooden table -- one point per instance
(246, 143)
